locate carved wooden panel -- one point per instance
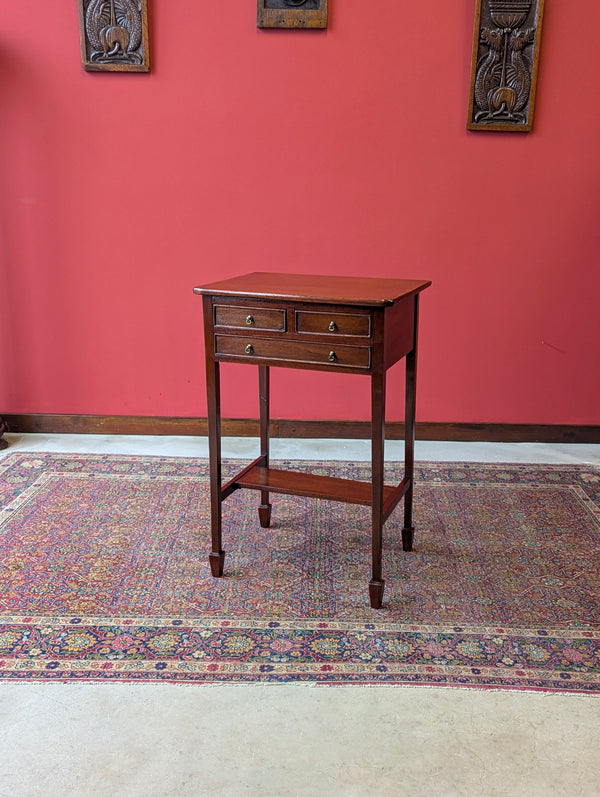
(114, 35)
(506, 48)
(292, 14)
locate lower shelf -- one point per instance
(312, 485)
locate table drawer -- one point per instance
(333, 323)
(243, 317)
(329, 354)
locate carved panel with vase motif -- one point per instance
(114, 35)
(506, 45)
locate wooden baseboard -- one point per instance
(244, 427)
(3, 428)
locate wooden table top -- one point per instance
(366, 291)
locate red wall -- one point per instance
(338, 151)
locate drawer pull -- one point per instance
(249, 349)
(332, 357)
(332, 326)
(249, 320)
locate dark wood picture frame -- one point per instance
(504, 65)
(308, 14)
(114, 35)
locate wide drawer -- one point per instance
(243, 317)
(293, 351)
(333, 323)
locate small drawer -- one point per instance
(333, 323)
(324, 354)
(243, 317)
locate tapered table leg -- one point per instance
(213, 393)
(409, 437)
(377, 583)
(264, 510)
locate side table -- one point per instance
(356, 325)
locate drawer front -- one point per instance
(333, 323)
(244, 317)
(324, 354)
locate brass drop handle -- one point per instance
(249, 320)
(249, 349)
(332, 356)
(332, 326)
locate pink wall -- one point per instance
(342, 151)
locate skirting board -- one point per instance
(244, 427)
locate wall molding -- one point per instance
(246, 427)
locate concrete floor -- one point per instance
(289, 739)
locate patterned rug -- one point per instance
(104, 576)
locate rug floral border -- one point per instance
(216, 651)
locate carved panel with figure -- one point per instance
(114, 35)
(292, 14)
(506, 46)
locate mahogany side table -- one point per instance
(356, 325)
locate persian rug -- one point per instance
(104, 576)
